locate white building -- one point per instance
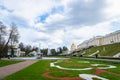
(112, 38)
(101, 40)
(16, 51)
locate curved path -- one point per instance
(10, 69)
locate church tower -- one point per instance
(73, 46)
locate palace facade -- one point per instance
(101, 40)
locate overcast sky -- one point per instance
(55, 23)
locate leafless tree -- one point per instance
(2, 33)
(13, 37)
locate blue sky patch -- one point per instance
(58, 9)
(4, 8)
(54, 10)
(42, 18)
(117, 24)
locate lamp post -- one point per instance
(39, 48)
(39, 55)
(49, 51)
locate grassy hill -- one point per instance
(105, 50)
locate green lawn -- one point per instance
(36, 70)
(116, 70)
(33, 72)
(8, 62)
(110, 77)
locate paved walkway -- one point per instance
(109, 60)
(10, 69)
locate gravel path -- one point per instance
(10, 69)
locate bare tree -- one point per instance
(2, 32)
(14, 35)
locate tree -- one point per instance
(53, 51)
(65, 48)
(22, 46)
(2, 32)
(35, 48)
(14, 34)
(60, 50)
(44, 51)
(28, 49)
(2, 35)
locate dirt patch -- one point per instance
(47, 74)
(47, 69)
(100, 71)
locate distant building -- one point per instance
(73, 47)
(14, 51)
(22, 53)
(112, 38)
(101, 40)
(33, 53)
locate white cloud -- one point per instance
(55, 18)
(40, 26)
(112, 9)
(29, 9)
(57, 37)
(31, 35)
(79, 20)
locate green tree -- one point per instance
(53, 51)
(28, 49)
(44, 51)
(60, 50)
(64, 48)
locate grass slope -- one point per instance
(105, 50)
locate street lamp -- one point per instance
(39, 54)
